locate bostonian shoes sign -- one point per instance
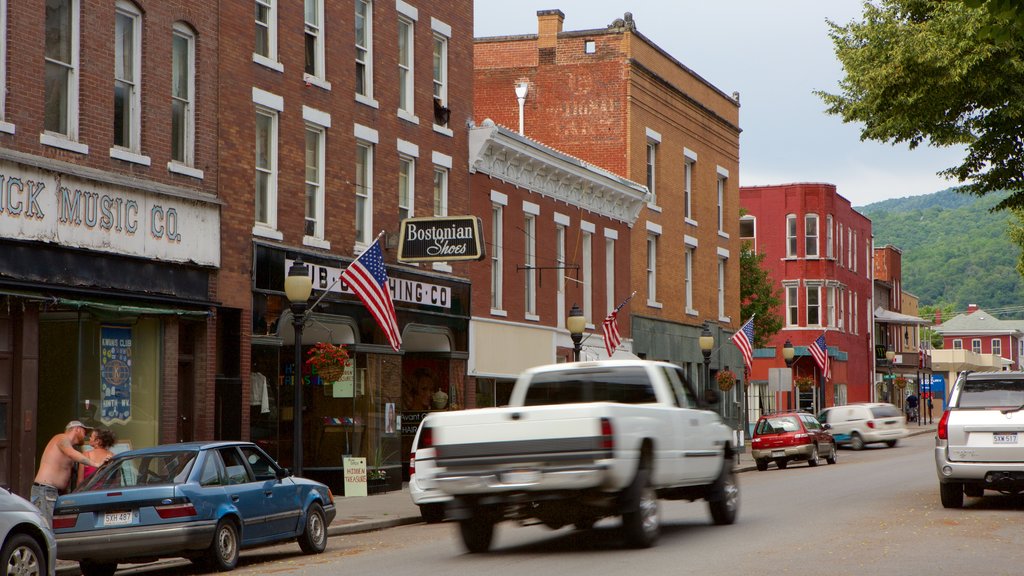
(440, 239)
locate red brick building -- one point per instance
(558, 235)
(819, 252)
(613, 98)
(109, 222)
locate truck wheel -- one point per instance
(761, 463)
(952, 495)
(640, 521)
(477, 532)
(724, 496)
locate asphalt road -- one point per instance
(875, 511)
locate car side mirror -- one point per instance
(826, 426)
(283, 473)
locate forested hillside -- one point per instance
(955, 251)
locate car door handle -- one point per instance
(234, 498)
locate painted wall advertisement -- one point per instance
(115, 374)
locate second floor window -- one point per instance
(364, 192)
(792, 306)
(405, 69)
(652, 268)
(127, 69)
(811, 235)
(266, 29)
(364, 48)
(609, 273)
(721, 287)
(406, 180)
(814, 305)
(652, 160)
(441, 70)
(530, 242)
(440, 192)
(314, 38)
(266, 168)
(688, 166)
(314, 182)
(182, 96)
(497, 232)
(61, 94)
(689, 279)
(588, 276)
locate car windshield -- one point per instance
(884, 411)
(142, 470)
(623, 385)
(777, 425)
(987, 393)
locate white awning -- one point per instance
(890, 317)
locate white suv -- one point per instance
(422, 468)
(858, 424)
(979, 443)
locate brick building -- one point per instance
(558, 235)
(615, 99)
(897, 330)
(109, 222)
(819, 252)
(358, 112)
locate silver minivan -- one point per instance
(28, 546)
(856, 425)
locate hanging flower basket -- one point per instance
(804, 383)
(900, 382)
(328, 361)
(726, 380)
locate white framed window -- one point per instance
(497, 241)
(976, 345)
(266, 167)
(830, 306)
(792, 305)
(127, 72)
(814, 305)
(560, 235)
(265, 50)
(689, 173)
(811, 235)
(60, 114)
(530, 249)
(364, 51)
(440, 191)
(853, 244)
(440, 59)
(406, 80)
(791, 239)
(364, 193)
(748, 227)
(4, 125)
(849, 248)
(652, 169)
(588, 275)
(652, 268)
(314, 37)
(856, 319)
(723, 177)
(690, 253)
(406, 186)
(609, 273)
(958, 344)
(183, 95)
(830, 250)
(315, 140)
(721, 287)
(839, 253)
(843, 312)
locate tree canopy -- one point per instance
(759, 297)
(942, 73)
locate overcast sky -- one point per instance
(775, 54)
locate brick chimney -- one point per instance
(972, 308)
(549, 24)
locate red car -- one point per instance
(788, 436)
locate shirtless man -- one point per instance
(55, 467)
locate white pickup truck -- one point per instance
(582, 441)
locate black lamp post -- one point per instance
(788, 354)
(707, 343)
(298, 286)
(576, 323)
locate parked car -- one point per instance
(788, 436)
(422, 468)
(28, 544)
(980, 438)
(201, 500)
(856, 425)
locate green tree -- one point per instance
(944, 73)
(759, 297)
(947, 311)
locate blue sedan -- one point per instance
(201, 500)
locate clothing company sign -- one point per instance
(446, 238)
(402, 290)
(47, 206)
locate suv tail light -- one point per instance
(175, 510)
(607, 435)
(412, 463)
(426, 437)
(943, 429)
(65, 521)
(871, 423)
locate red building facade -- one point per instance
(819, 253)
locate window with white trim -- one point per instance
(976, 345)
(314, 17)
(60, 105)
(266, 167)
(440, 71)
(811, 235)
(839, 254)
(689, 278)
(266, 29)
(814, 305)
(843, 318)
(440, 192)
(830, 304)
(688, 167)
(497, 240)
(791, 240)
(652, 161)
(958, 344)
(609, 273)
(127, 72)
(364, 192)
(721, 202)
(854, 245)
(849, 248)
(183, 94)
(830, 250)
(652, 267)
(405, 68)
(560, 234)
(748, 228)
(530, 243)
(406, 183)
(364, 48)
(588, 276)
(997, 347)
(314, 223)
(856, 318)
(721, 287)
(792, 305)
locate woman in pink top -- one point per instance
(101, 440)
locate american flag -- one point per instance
(820, 352)
(367, 277)
(744, 340)
(611, 332)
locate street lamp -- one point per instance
(297, 287)
(890, 354)
(576, 323)
(707, 343)
(788, 354)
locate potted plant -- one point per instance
(726, 380)
(804, 383)
(328, 361)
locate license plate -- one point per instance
(1005, 438)
(117, 518)
(520, 477)
(778, 453)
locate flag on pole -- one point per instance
(820, 352)
(611, 332)
(367, 277)
(744, 340)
